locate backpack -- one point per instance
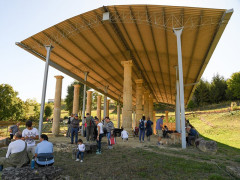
(141, 125)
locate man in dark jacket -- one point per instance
(75, 127)
(90, 126)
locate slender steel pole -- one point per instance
(178, 33)
(118, 112)
(48, 48)
(84, 100)
(105, 102)
(178, 129)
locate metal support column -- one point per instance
(118, 112)
(84, 100)
(178, 32)
(177, 113)
(48, 48)
(105, 102)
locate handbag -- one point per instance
(112, 140)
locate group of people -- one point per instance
(24, 148)
(93, 130)
(145, 126)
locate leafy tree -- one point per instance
(191, 105)
(233, 85)
(218, 89)
(36, 110)
(69, 97)
(11, 107)
(201, 94)
(48, 111)
(94, 100)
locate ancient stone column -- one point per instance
(127, 96)
(134, 119)
(150, 103)
(76, 99)
(146, 103)
(118, 115)
(107, 112)
(99, 103)
(89, 102)
(57, 105)
(166, 116)
(154, 122)
(139, 95)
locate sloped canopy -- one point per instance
(97, 41)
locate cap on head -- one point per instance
(76, 115)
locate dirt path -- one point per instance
(206, 122)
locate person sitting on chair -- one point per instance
(44, 152)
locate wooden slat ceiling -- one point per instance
(142, 33)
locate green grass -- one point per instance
(221, 127)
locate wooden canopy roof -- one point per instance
(97, 41)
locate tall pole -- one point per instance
(178, 33)
(48, 48)
(177, 113)
(84, 99)
(118, 112)
(105, 102)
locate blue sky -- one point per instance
(22, 19)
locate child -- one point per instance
(81, 149)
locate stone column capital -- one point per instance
(154, 100)
(59, 77)
(127, 63)
(76, 85)
(139, 81)
(99, 96)
(150, 96)
(89, 92)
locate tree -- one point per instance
(48, 111)
(69, 97)
(218, 89)
(11, 107)
(233, 86)
(201, 94)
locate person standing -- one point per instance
(90, 127)
(81, 150)
(159, 127)
(149, 128)
(75, 127)
(69, 126)
(13, 130)
(109, 128)
(44, 152)
(142, 126)
(99, 135)
(30, 134)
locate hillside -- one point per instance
(223, 127)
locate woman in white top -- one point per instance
(99, 135)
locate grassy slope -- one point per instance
(221, 127)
